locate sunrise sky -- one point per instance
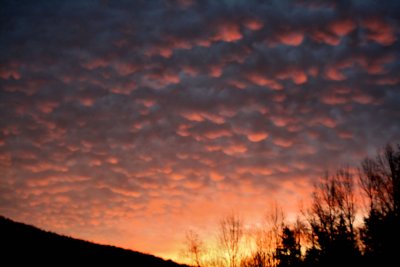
(129, 122)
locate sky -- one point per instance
(129, 122)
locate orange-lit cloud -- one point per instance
(282, 142)
(297, 76)
(257, 137)
(216, 176)
(128, 130)
(291, 38)
(379, 31)
(254, 24)
(262, 80)
(334, 74)
(228, 32)
(326, 37)
(342, 27)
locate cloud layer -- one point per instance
(126, 121)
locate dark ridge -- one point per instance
(30, 246)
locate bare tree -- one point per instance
(380, 180)
(230, 235)
(331, 218)
(267, 238)
(257, 259)
(300, 230)
(194, 248)
(275, 220)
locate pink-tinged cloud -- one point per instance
(281, 120)
(193, 185)
(325, 37)
(48, 106)
(95, 162)
(257, 137)
(179, 43)
(376, 65)
(346, 135)
(279, 98)
(10, 74)
(215, 118)
(190, 70)
(361, 98)
(46, 166)
(112, 160)
(336, 96)
(334, 74)
(227, 32)
(96, 63)
(379, 31)
(234, 149)
(177, 176)
(375, 69)
(342, 27)
(282, 142)
(10, 70)
(204, 42)
(125, 68)
(291, 38)
(193, 116)
(313, 71)
(159, 80)
(165, 52)
(325, 121)
(217, 133)
(88, 101)
(216, 176)
(388, 81)
(334, 99)
(148, 103)
(297, 76)
(183, 130)
(238, 84)
(216, 71)
(262, 80)
(255, 170)
(201, 116)
(254, 24)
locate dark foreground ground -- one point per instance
(25, 245)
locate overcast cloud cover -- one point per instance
(126, 122)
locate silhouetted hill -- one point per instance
(25, 245)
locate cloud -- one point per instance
(254, 24)
(257, 137)
(342, 27)
(291, 38)
(379, 31)
(228, 32)
(112, 122)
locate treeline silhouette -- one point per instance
(332, 231)
(25, 245)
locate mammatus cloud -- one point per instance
(125, 122)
